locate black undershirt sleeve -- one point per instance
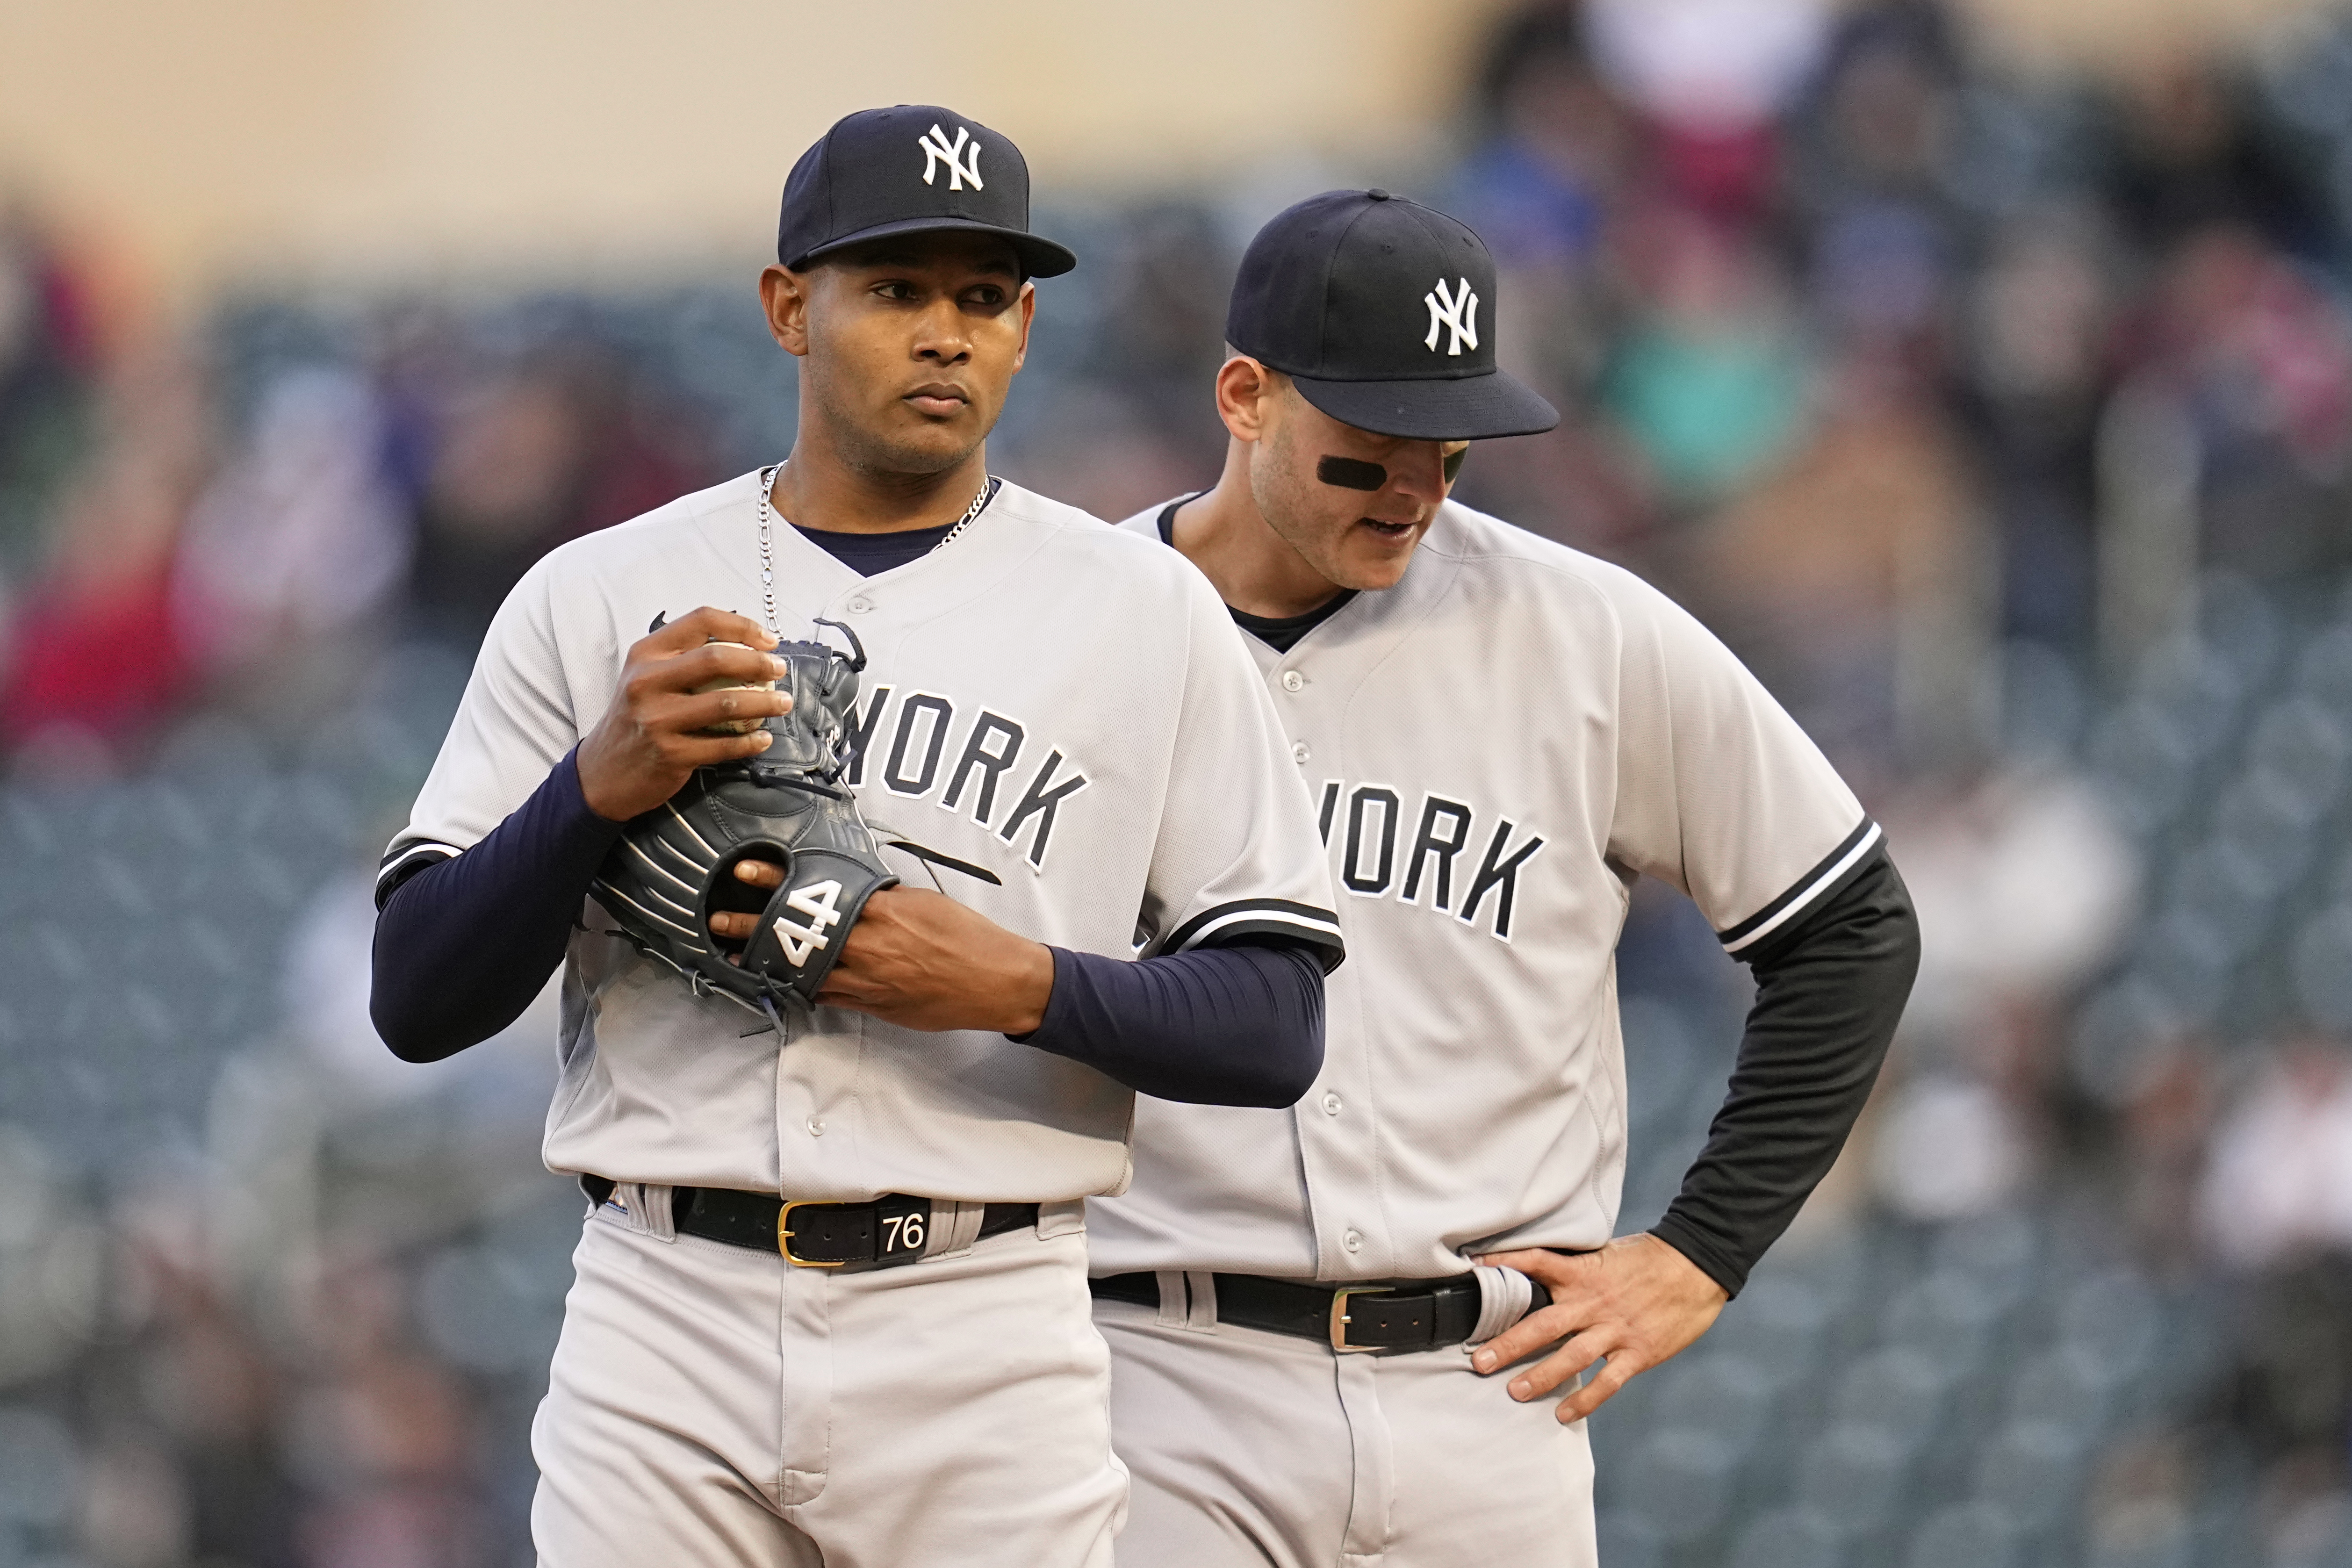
(1828, 996)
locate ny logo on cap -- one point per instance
(937, 147)
(1457, 311)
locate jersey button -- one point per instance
(1331, 1103)
(1292, 680)
(816, 1126)
(1298, 752)
(1352, 1240)
(859, 606)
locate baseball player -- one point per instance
(830, 1302)
(1500, 735)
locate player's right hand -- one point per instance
(655, 732)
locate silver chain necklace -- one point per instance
(768, 538)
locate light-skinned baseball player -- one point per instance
(830, 1303)
(1341, 1331)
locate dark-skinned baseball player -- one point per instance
(830, 1302)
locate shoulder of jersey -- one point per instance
(1118, 548)
(1478, 541)
(1146, 522)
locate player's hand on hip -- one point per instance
(666, 720)
(921, 960)
(1636, 1303)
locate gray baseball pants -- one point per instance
(1250, 1449)
(711, 1407)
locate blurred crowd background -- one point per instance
(2001, 418)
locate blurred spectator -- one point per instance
(2287, 1394)
(384, 1437)
(1557, 147)
(48, 352)
(1709, 379)
(2023, 887)
(1138, 422)
(97, 650)
(1950, 1147)
(530, 456)
(1850, 578)
(1161, 320)
(2280, 1186)
(187, 1463)
(2188, 148)
(2277, 1203)
(2037, 322)
(1882, 125)
(1714, 75)
(1095, 451)
(300, 540)
(1883, 236)
(2167, 1119)
(1558, 154)
(2258, 358)
(504, 491)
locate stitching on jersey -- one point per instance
(1617, 1116)
(1403, 634)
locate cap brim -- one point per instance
(1039, 258)
(1468, 409)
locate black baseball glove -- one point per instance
(674, 867)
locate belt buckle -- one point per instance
(1339, 1298)
(785, 1235)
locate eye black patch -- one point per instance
(1453, 463)
(1352, 473)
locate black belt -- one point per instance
(884, 1234)
(1397, 1315)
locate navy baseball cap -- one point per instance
(1381, 309)
(912, 169)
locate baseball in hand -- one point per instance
(734, 726)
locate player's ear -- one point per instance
(1028, 314)
(785, 295)
(1244, 388)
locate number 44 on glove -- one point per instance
(674, 867)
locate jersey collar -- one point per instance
(810, 582)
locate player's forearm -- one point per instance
(1826, 1006)
(1232, 1026)
(464, 945)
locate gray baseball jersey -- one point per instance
(1496, 748)
(1048, 698)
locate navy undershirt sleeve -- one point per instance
(1223, 1026)
(464, 945)
(1828, 996)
